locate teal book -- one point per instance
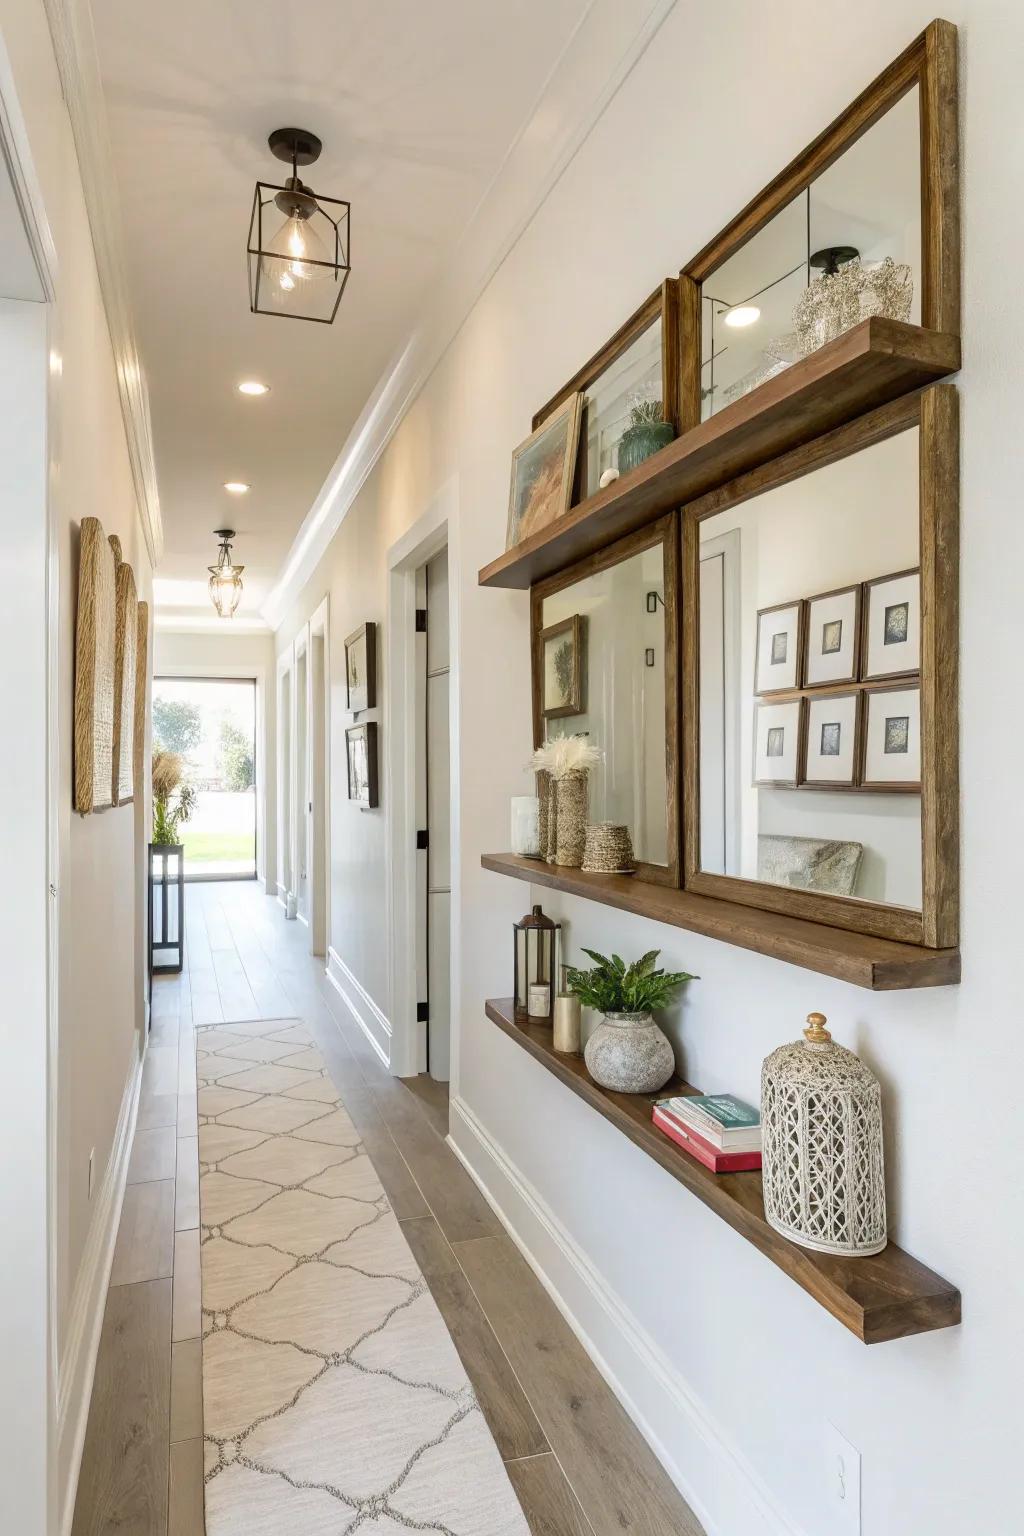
(720, 1111)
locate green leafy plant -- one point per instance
(613, 987)
(173, 801)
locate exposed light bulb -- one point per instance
(253, 387)
(293, 253)
(741, 315)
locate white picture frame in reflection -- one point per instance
(892, 626)
(892, 739)
(777, 744)
(832, 645)
(831, 756)
(778, 664)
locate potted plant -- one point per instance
(627, 1051)
(173, 801)
(647, 432)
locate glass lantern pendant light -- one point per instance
(225, 576)
(298, 241)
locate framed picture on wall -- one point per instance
(361, 669)
(777, 744)
(95, 656)
(564, 673)
(891, 644)
(832, 641)
(892, 739)
(831, 756)
(361, 752)
(543, 470)
(779, 661)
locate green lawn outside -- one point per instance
(210, 847)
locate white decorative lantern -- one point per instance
(821, 1129)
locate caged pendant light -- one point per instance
(298, 248)
(225, 576)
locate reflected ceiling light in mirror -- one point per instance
(253, 387)
(236, 487)
(741, 315)
(298, 263)
(225, 576)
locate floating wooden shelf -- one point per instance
(886, 1296)
(882, 965)
(878, 361)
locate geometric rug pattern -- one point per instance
(335, 1403)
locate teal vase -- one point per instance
(638, 443)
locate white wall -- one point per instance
(732, 1368)
(213, 653)
(100, 995)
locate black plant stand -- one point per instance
(166, 908)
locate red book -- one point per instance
(710, 1157)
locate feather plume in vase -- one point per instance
(565, 754)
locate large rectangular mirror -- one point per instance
(605, 665)
(864, 223)
(823, 723)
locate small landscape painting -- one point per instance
(361, 751)
(361, 669)
(562, 649)
(543, 469)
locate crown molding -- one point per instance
(605, 45)
(74, 44)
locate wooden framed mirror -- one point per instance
(605, 662)
(865, 222)
(819, 679)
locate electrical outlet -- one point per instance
(92, 1159)
(842, 1482)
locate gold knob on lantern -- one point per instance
(817, 1034)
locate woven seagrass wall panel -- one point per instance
(94, 670)
(125, 647)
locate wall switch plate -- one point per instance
(842, 1482)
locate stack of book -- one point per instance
(717, 1129)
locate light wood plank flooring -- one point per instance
(577, 1462)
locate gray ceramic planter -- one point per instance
(630, 1054)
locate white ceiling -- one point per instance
(416, 104)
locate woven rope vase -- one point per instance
(821, 1130)
(571, 793)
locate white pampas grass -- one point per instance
(565, 754)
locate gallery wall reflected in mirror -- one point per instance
(812, 640)
(605, 665)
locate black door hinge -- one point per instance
(421, 621)
(422, 1013)
(422, 839)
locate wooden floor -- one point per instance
(578, 1464)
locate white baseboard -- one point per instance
(712, 1474)
(303, 919)
(360, 1005)
(88, 1302)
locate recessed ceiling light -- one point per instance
(253, 387)
(741, 315)
(236, 487)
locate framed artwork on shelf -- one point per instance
(831, 756)
(832, 641)
(777, 729)
(95, 643)
(778, 666)
(892, 739)
(361, 753)
(891, 645)
(361, 669)
(126, 639)
(562, 649)
(543, 470)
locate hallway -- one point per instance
(577, 1464)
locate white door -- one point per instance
(284, 779)
(438, 818)
(318, 734)
(719, 704)
(301, 801)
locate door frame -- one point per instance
(282, 883)
(428, 535)
(300, 772)
(318, 759)
(254, 673)
(30, 1453)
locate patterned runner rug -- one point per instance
(334, 1400)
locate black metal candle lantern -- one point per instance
(536, 966)
(166, 908)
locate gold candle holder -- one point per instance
(567, 1036)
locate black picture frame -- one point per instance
(367, 793)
